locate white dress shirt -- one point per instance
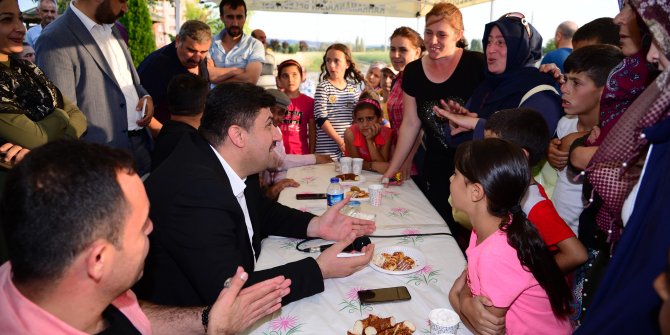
(111, 49)
(238, 186)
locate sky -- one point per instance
(545, 15)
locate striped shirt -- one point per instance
(336, 106)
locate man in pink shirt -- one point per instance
(75, 215)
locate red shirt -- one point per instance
(394, 106)
(296, 123)
(362, 146)
(543, 215)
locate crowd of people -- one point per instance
(549, 171)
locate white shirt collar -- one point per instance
(87, 21)
(236, 183)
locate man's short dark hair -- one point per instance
(233, 5)
(524, 127)
(187, 94)
(596, 61)
(231, 104)
(62, 197)
(602, 30)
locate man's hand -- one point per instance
(556, 157)
(148, 111)
(334, 226)
(333, 267)
(274, 190)
(323, 159)
(236, 309)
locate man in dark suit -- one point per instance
(210, 215)
(83, 53)
(186, 95)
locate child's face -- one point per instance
(336, 64)
(386, 82)
(580, 94)
(365, 118)
(290, 78)
(278, 114)
(654, 56)
(458, 187)
(374, 77)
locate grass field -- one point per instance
(312, 60)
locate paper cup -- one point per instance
(357, 165)
(345, 164)
(443, 321)
(375, 191)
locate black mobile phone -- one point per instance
(310, 196)
(380, 295)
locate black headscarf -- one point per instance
(505, 90)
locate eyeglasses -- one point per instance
(521, 18)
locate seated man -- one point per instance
(76, 219)
(210, 215)
(186, 95)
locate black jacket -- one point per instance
(200, 236)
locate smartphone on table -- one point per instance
(379, 295)
(310, 196)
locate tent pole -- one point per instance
(491, 12)
(177, 16)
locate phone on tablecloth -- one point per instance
(379, 295)
(310, 196)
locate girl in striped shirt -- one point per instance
(336, 95)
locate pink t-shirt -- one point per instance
(296, 124)
(494, 271)
(21, 316)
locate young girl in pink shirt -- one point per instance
(298, 127)
(509, 266)
(367, 138)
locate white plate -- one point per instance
(359, 199)
(361, 179)
(417, 255)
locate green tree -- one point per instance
(140, 33)
(476, 45)
(194, 11)
(550, 46)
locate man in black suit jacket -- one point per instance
(210, 215)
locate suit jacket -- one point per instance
(72, 60)
(200, 236)
(167, 140)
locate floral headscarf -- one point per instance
(614, 169)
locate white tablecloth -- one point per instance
(404, 210)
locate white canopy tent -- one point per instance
(387, 8)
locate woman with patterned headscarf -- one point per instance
(625, 301)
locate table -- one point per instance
(404, 210)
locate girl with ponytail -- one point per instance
(508, 263)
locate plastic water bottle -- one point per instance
(334, 193)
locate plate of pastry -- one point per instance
(358, 193)
(349, 179)
(398, 260)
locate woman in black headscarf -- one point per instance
(512, 48)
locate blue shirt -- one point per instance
(557, 57)
(32, 34)
(247, 50)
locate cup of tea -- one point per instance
(357, 165)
